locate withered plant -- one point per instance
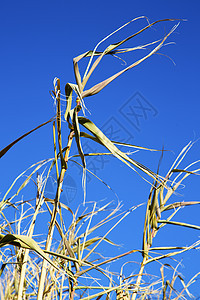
(65, 262)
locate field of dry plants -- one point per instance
(65, 261)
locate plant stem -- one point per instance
(53, 218)
(26, 251)
(137, 285)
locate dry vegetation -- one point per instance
(65, 262)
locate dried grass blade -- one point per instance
(174, 188)
(77, 72)
(124, 216)
(179, 224)
(107, 261)
(86, 217)
(103, 53)
(39, 165)
(64, 238)
(110, 49)
(183, 171)
(106, 52)
(28, 242)
(58, 121)
(179, 204)
(77, 136)
(112, 148)
(68, 93)
(193, 246)
(92, 241)
(153, 209)
(96, 177)
(98, 87)
(86, 135)
(61, 204)
(80, 150)
(55, 152)
(179, 158)
(192, 280)
(4, 150)
(114, 46)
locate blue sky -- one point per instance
(38, 42)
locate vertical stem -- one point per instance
(53, 219)
(137, 285)
(26, 251)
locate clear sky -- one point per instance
(39, 39)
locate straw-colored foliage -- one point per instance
(65, 261)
